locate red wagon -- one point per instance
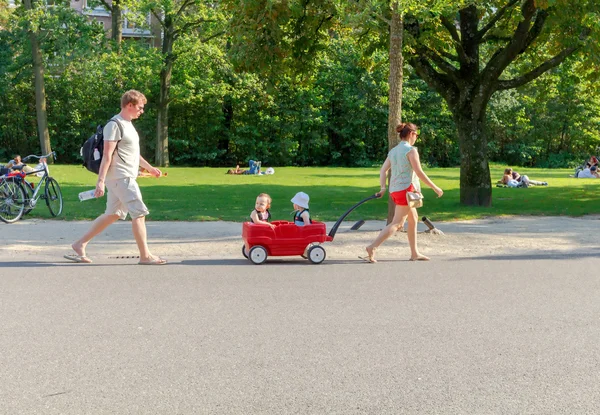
(288, 239)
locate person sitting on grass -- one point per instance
(522, 180)
(508, 180)
(588, 173)
(301, 213)
(261, 215)
(17, 164)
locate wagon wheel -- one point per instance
(258, 254)
(244, 251)
(316, 254)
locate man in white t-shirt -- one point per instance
(118, 173)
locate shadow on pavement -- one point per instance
(41, 264)
(559, 255)
(240, 261)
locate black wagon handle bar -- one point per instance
(339, 221)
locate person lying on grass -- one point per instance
(510, 177)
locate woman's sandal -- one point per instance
(367, 259)
(80, 259)
(154, 261)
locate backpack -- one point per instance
(93, 148)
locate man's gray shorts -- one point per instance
(124, 197)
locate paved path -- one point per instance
(484, 332)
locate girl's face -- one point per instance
(296, 207)
(262, 204)
(412, 138)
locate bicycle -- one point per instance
(12, 197)
(52, 193)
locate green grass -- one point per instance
(207, 194)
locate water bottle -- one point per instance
(88, 194)
(96, 154)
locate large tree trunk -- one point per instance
(475, 180)
(395, 82)
(162, 128)
(116, 22)
(40, 90)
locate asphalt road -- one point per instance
(506, 334)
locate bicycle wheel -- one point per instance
(12, 201)
(54, 198)
(29, 194)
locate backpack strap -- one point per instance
(266, 216)
(298, 215)
(120, 127)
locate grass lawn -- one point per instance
(206, 194)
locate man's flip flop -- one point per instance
(80, 259)
(155, 261)
(367, 259)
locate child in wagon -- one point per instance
(301, 212)
(261, 215)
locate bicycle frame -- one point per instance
(36, 190)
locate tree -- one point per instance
(40, 90)
(463, 52)
(115, 7)
(176, 19)
(296, 31)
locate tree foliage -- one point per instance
(322, 99)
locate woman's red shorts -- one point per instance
(399, 198)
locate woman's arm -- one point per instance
(415, 162)
(387, 164)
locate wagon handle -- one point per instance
(339, 221)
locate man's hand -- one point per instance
(99, 188)
(155, 172)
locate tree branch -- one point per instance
(495, 18)
(192, 25)
(536, 29)
(440, 82)
(107, 5)
(495, 38)
(462, 57)
(503, 57)
(160, 21)
(450, 28)
(449, 56)
(531, 75)
(184, 6)
(215, 35)
(440, 62)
